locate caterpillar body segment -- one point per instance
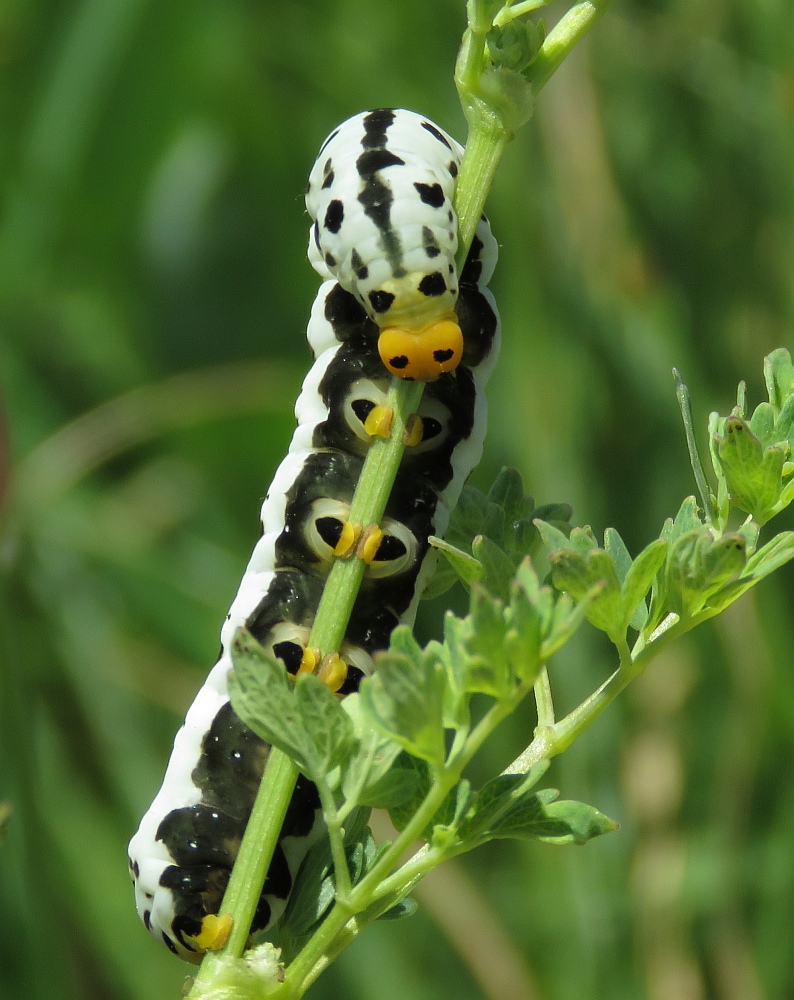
(182, 854)
(380, 195)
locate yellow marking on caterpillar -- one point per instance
(333, 670)
(414, 431)
(347, 539)
(309, 660)
(370, 543)
(379, 421)
(424, 354)
(214, 932)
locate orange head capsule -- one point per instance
(422, 355)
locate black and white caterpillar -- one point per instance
(384, 238)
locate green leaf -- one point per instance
(784, 425)
(776, 553)
(262, 696)
(687, 519)
(405, 697)
(495, 799)
(762, 424)
(303, 718)
(698, 565)
(467, 568)
(571, 822)
(395, 788)
(507, 492)
(753, 473)
(444, 577)
(488, 668)
(779, 377)
(553, 537)
(582, 539)
(579, 573)
(498, 568)
(327, 737)
(535, 816)
(402, 813)
(374, 759)
(554, 513)
(313, 892)
(618, 552)
(638, 580)
(406, 907)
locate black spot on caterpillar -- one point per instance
(182, 854)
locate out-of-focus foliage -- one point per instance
(153, 296)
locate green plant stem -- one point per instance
(543, 699)
(371, 887)
(278, 781)
(685, 405)
(253, 860)
(571, 27)
(508, 14)
(481, 157)
(553, 740)
(369, 503)
(493, 118)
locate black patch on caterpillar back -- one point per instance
(302, 811)
(330, 260)
(477, 322)
(201, 835)
(430, 194)
(334, 216)
(435, 132)
(230, 766)
(291, 597)
(358, 265)
(377, 159)
(376, 125)
(380, 301)
(453, 169)
(348, 319)
(472, 269)
(376, 196)
(429, 242)
(290, 654)
(371, 624)
(334, 474)
(433, 284)
(456, 393)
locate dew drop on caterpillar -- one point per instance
(383, 238)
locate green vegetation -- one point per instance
(146, 270)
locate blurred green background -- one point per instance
(154, 293)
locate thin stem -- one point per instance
(253, 860)
(562, 38)
(543, 699)
(368, 505)
(278, 781)
(685, 404)
(508, 14)
(480, 160)
(336, 835)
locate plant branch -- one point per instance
(562, 38)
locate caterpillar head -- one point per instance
(425, 354)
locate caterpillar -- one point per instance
(383, 239)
